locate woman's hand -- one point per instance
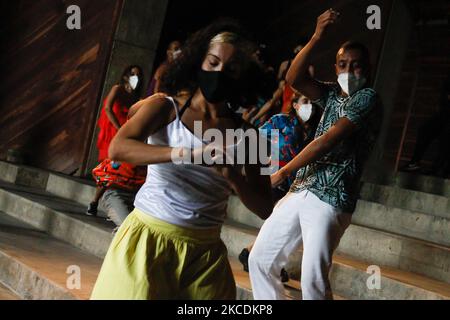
(213, 154)
(218, 158)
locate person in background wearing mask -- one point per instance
(169, 247)
(113, 115)
(280, 102)
(172, 52)
(318, 208)
(296, 131)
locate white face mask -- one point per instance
(176, 54)
(350, 83)
(305, 111)
(133, 81)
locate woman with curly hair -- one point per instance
(169, 247)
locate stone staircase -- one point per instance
(402, 225)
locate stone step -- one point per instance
(415, 181)
(37, 267)
(71, 216)
(75, 189)
(404, 222)
(348, 275)
(82, 190)
(396, 251)
(89, 220)
(412, 200)
(7, 294)
(65, 220)
(60, 218)
(400, 211)
(375, 247)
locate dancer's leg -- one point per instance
(277, 239)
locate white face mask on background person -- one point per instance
(305, 111)
(133, 81)
(176, 54)
(350, 83)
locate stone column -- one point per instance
(386, 82)
(135, 42)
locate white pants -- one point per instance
(298, 217)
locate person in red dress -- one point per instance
(113, 115)
(115, 108)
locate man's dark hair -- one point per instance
(356, 45)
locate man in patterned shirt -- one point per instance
(319, 206)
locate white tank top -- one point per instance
(185, 195)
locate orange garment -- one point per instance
(288, 93)
(107, 129)
(119, 175)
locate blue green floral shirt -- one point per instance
(290, 141)
(335, 177)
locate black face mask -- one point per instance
(217, 86)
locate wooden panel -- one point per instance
(427, 61)
(50, 95)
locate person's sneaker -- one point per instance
(115, 230)
(411, 167)
(284, 276)
(92, 209)
(243, 258)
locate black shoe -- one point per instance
(411, 167)
(284, 276)
(92, 209)
(243, 258)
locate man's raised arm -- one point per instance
(298, 76)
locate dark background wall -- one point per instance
(52, 78)
(424, 70)
(280, 24)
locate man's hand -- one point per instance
(326, 19)
(248, 114)
(278, 177)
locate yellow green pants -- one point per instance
(151, 259)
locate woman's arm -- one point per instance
(135, 108)
(278, 94)
(252, 187)
(112, 95)
(128, 146)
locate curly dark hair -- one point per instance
(181, 74)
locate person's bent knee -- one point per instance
(256, 263)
